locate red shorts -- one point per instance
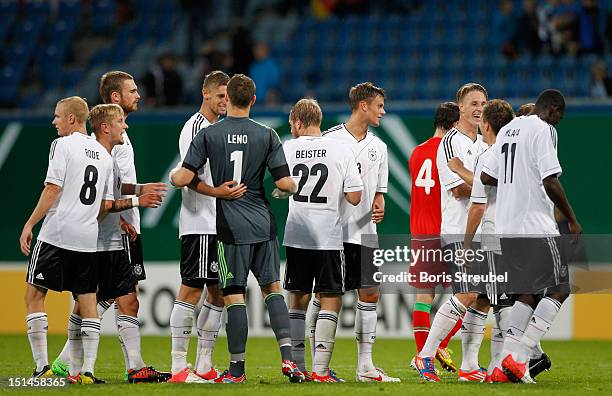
(428, 264)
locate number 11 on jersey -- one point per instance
(236, 158)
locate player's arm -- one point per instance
(196, 157)
(462, 191)
(487, 179)
(449, 180)
(378, 206)
(475, 213)
(556, 193)
(353, 197)
(47, 199)
(277, 165)
(142, 189)
(228, 190)
(456, 165)
(286, 184)
(353, 184)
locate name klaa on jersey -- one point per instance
(84, 170)
(324, 171)
(524, 154)
(425, 211)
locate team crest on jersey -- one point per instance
(372, 154)
(137, 269)
(563, 270)
(214, 266)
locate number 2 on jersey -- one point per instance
(303, 171)
(236, 158)
(423, 178)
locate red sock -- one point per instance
(420, 324)
(450, 335)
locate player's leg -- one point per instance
(421, 317)
(472, 334)
(299, 277)
(312, 313)
(182, 317)
(90, 336)
(500, 327)
(208, 325)
(233, 272)
(266, 268)
(37, 323)
(209, 320)
(328, 270)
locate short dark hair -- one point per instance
(525, 109)
(112, 82)
(215, 79)
(447, 114)
(550, 98)
(497, 113)
(365, 91)
(469, 87)
(240, 90)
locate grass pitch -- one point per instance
(579, 367)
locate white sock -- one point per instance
(74, 325)
(75, 344)
(38, 327)
(325, 338)
(311, 323)
(90, 335)
(129, 332)
(181, 325)
(365, 330)
(297, 324)
(126, 359)
(209, 323)
(445, 320)
(536, 352)
(539, 324)
(500, 327)
(472, 333)
(517, 323)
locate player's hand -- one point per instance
(378, 211)
(154, 188)
(280, 194)
(455, 164)
(230, 190)
(150, 200)
(575, 229)
(129, 230)
(25, 240)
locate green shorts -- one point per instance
(235, 262)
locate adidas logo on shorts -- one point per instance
(40, 276)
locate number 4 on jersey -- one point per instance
(424, 177)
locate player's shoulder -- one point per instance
(334, 131)
(259, 125)
(376, 140)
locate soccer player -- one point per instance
(462, 143)
(240, 149)
(524, 163)
(425, 220)
(367, 103)
(525, 109)
(496, 114)
(327, 174)
(199, 261)
(78, 182)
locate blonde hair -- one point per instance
(103, 113)
(77, 106)
(469, 87)
(307, 111)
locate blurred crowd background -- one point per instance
(415, 49)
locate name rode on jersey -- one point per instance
(371, 157)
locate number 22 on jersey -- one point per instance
(424, 178)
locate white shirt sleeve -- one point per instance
(121, 155)
(478, 190)
(448, 179)
(184, 142)
(491, 165)
(546, 153)
(383, 172)
(352, 179)
(56, 171)
(109, 194)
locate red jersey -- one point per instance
(425, 208)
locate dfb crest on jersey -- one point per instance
(563, 270)
(372, 154)
(214, 266)
(137, 269)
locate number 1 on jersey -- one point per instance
(236, 158)
(423, 178)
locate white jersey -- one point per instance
(198, 212)
(324, 171)
(109, 229)
(84, 170)
(485, 195)
(371, 156)
(454, 211)
(524, 154)
(123, 154)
